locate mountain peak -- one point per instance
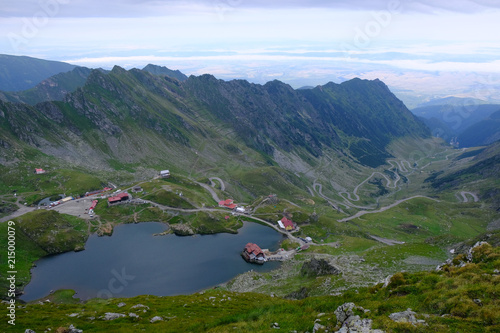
(164, 71)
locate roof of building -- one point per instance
(228, 203)
(253, 248)
(286, 222)
(94, 204)
(118, 197)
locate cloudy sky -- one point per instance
(418, 47)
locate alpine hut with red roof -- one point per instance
(229, 203)
(253, 253)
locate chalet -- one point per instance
(229, 203)
(165, 173)
(254, 254)
(124, 196)
(287, 224)
(39, 171)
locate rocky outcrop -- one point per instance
(471, 255)
(112, 316)
(299, 294)
(318, 267)
(407, 316)
(155, 319)
(182, 229)
(351, 323)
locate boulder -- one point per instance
(73, 329)
(155, 319)
(407, 316)
(317, 327)
(317, 267)
(344, 311)
(112, 316)
(351, 323)
(357, 325)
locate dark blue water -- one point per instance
(134, 262)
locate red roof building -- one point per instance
(229, 203)
(287, 224)
(253, 253)
(39, 171)
(94, 203)
(119, 197)
(254, 249)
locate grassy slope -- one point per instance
(446, 297)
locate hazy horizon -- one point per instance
(419, 48)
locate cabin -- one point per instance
(165, 173)
(229, 203)
(39, 171)
(121, 197)
(253, 253)
(287, 224)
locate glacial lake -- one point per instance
(134, 262)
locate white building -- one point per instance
(165, 173)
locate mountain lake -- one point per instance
(133, 262)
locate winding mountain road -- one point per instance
(464, 196)
(222, 185)
(364, 212)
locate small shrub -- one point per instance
(397, 280)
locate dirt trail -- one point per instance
(387, 241)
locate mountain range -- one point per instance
(132, 119)
(466, 121)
